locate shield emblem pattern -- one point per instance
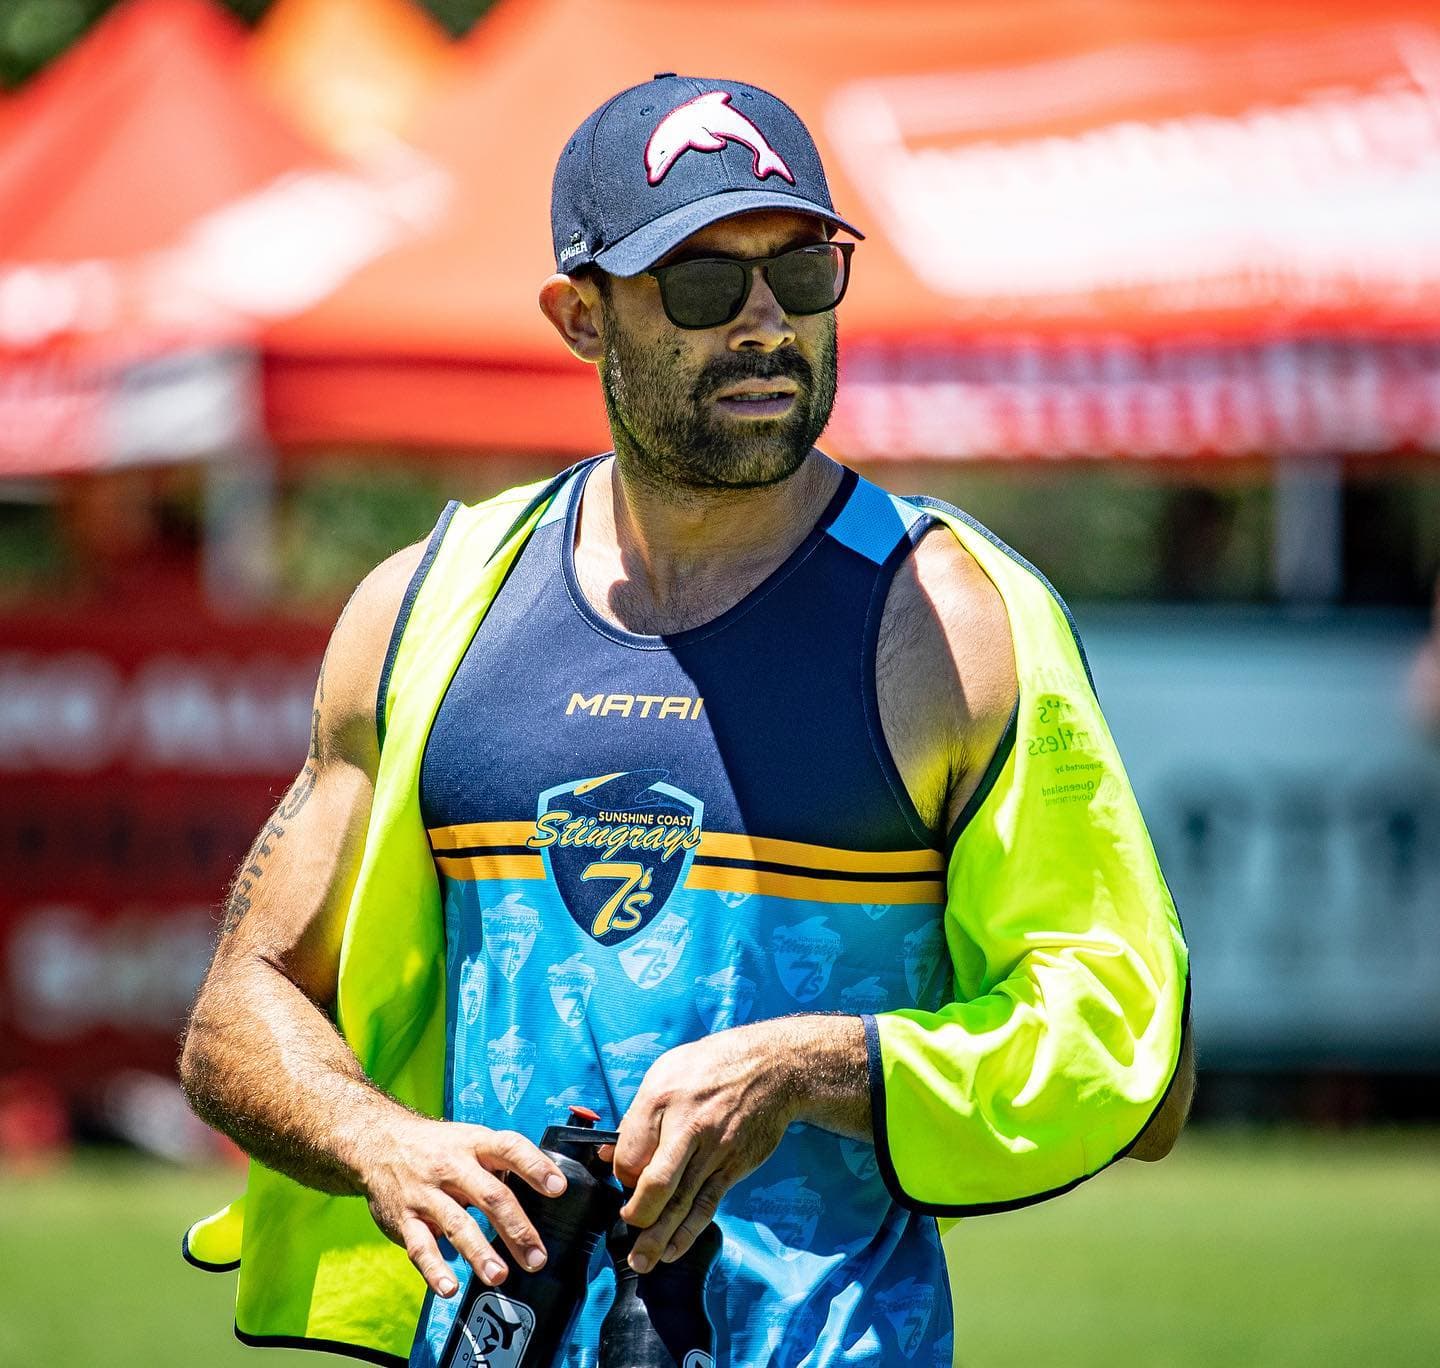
(724, 998)
(570, 982)
(616, 846)
(805, 953)
(859, 1158)
(907, 1306)
(785, 1216)
(868, 995)
(924, 951)
(628, 1060)
(509, 931)
(511, 1060)
(651, 960)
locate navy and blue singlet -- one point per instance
(641, 840)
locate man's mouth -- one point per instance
(758, 398)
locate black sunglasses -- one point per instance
(706, 292)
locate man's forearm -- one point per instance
(264, 1064)
(831, 1072)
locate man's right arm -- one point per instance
(262, 1060)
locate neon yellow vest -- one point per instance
(1071, 973)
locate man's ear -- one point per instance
(572, 304)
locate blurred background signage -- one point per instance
(138, 757)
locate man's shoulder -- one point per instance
(945, 669)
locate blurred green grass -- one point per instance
(1243, 1248)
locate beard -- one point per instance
(664, 425)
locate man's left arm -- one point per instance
(711, 1111)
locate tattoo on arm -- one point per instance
(238, 900)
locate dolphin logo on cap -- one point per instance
(706, 123)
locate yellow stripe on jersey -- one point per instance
(471, 834)
(491, 866)
(728, 846)
(724, 879)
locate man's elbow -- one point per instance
(1163, 1130)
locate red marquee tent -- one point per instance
(153, 208)
(1142, 227)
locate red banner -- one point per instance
(138, 758)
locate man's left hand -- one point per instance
(707, 1113)
(712, 1111)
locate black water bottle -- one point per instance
(528, 1318)
(658, 1318)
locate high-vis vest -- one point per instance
(1047, 1053)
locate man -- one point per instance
(641, 792)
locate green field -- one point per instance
(1251, 1248)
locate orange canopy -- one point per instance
(1116, 225)
(153, 205)
(351, 73)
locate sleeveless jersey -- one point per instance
(641, 840)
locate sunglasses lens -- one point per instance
(808, 280)
(705, 293)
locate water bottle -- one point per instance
(528, 1318)
(658, 1319)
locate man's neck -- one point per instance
(655, 561)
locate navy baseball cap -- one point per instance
(661, 160)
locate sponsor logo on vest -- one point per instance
(875, 910)
(866, 996)
(785, 1216)
(859, 1158)
(652, 959)
(732, 899)
(494, 1334)
(570, 984)
(907, 1307)
(724, 998)
(617, 846)
(805, 953)
(509, 929)
(698, 1358)
(627, 1060)
(679, 707)
(924, 951)
(512, 1061)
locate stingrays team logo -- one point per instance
(805, 953)
(785, 1216)
(617, 846)
(627, 1062)
(509, 929)
(724, 998)
(859, 1158)
(652, 958)
(571, 983)
(907, 1307)
(866, 996)
(512, 1062)
(472, 988)
(924, 949)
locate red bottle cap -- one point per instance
(583, 1116)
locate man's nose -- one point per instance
(762, 324)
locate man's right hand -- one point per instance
(423, 1175)
(263, 1061)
